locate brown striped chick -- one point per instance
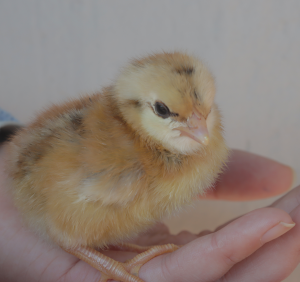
(95, 171)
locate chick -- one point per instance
(96, 171)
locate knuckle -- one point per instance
(226, 253)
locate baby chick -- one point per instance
(95, 171)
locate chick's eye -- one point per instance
(162, 110)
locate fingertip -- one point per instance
(277, 231)
(286, 176)
(250, 177)
(279, 178)
(270, 216)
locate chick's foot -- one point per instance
(109, 268)
(123, 272)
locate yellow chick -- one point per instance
(95, 171)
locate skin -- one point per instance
(224, 255)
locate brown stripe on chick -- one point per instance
(71, 124)
(185, 70)
(196, 96)
(76, 120)
(31, 154)
(134, 103)
(43, 139)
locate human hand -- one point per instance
(24, 257)
(235, 252)
(241, 250)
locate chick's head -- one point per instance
(169, 98)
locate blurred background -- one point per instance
(54, 50)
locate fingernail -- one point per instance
(276, 231)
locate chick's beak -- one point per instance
(197, 129)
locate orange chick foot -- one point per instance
(109, 268)
(123, 272)
(133, 265)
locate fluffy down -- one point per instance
(97, 170)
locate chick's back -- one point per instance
(54, 174)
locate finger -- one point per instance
(274, 261)
(182, 238)
(289, 201)
(209, 257)
(249, 177)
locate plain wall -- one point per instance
(54, 50)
